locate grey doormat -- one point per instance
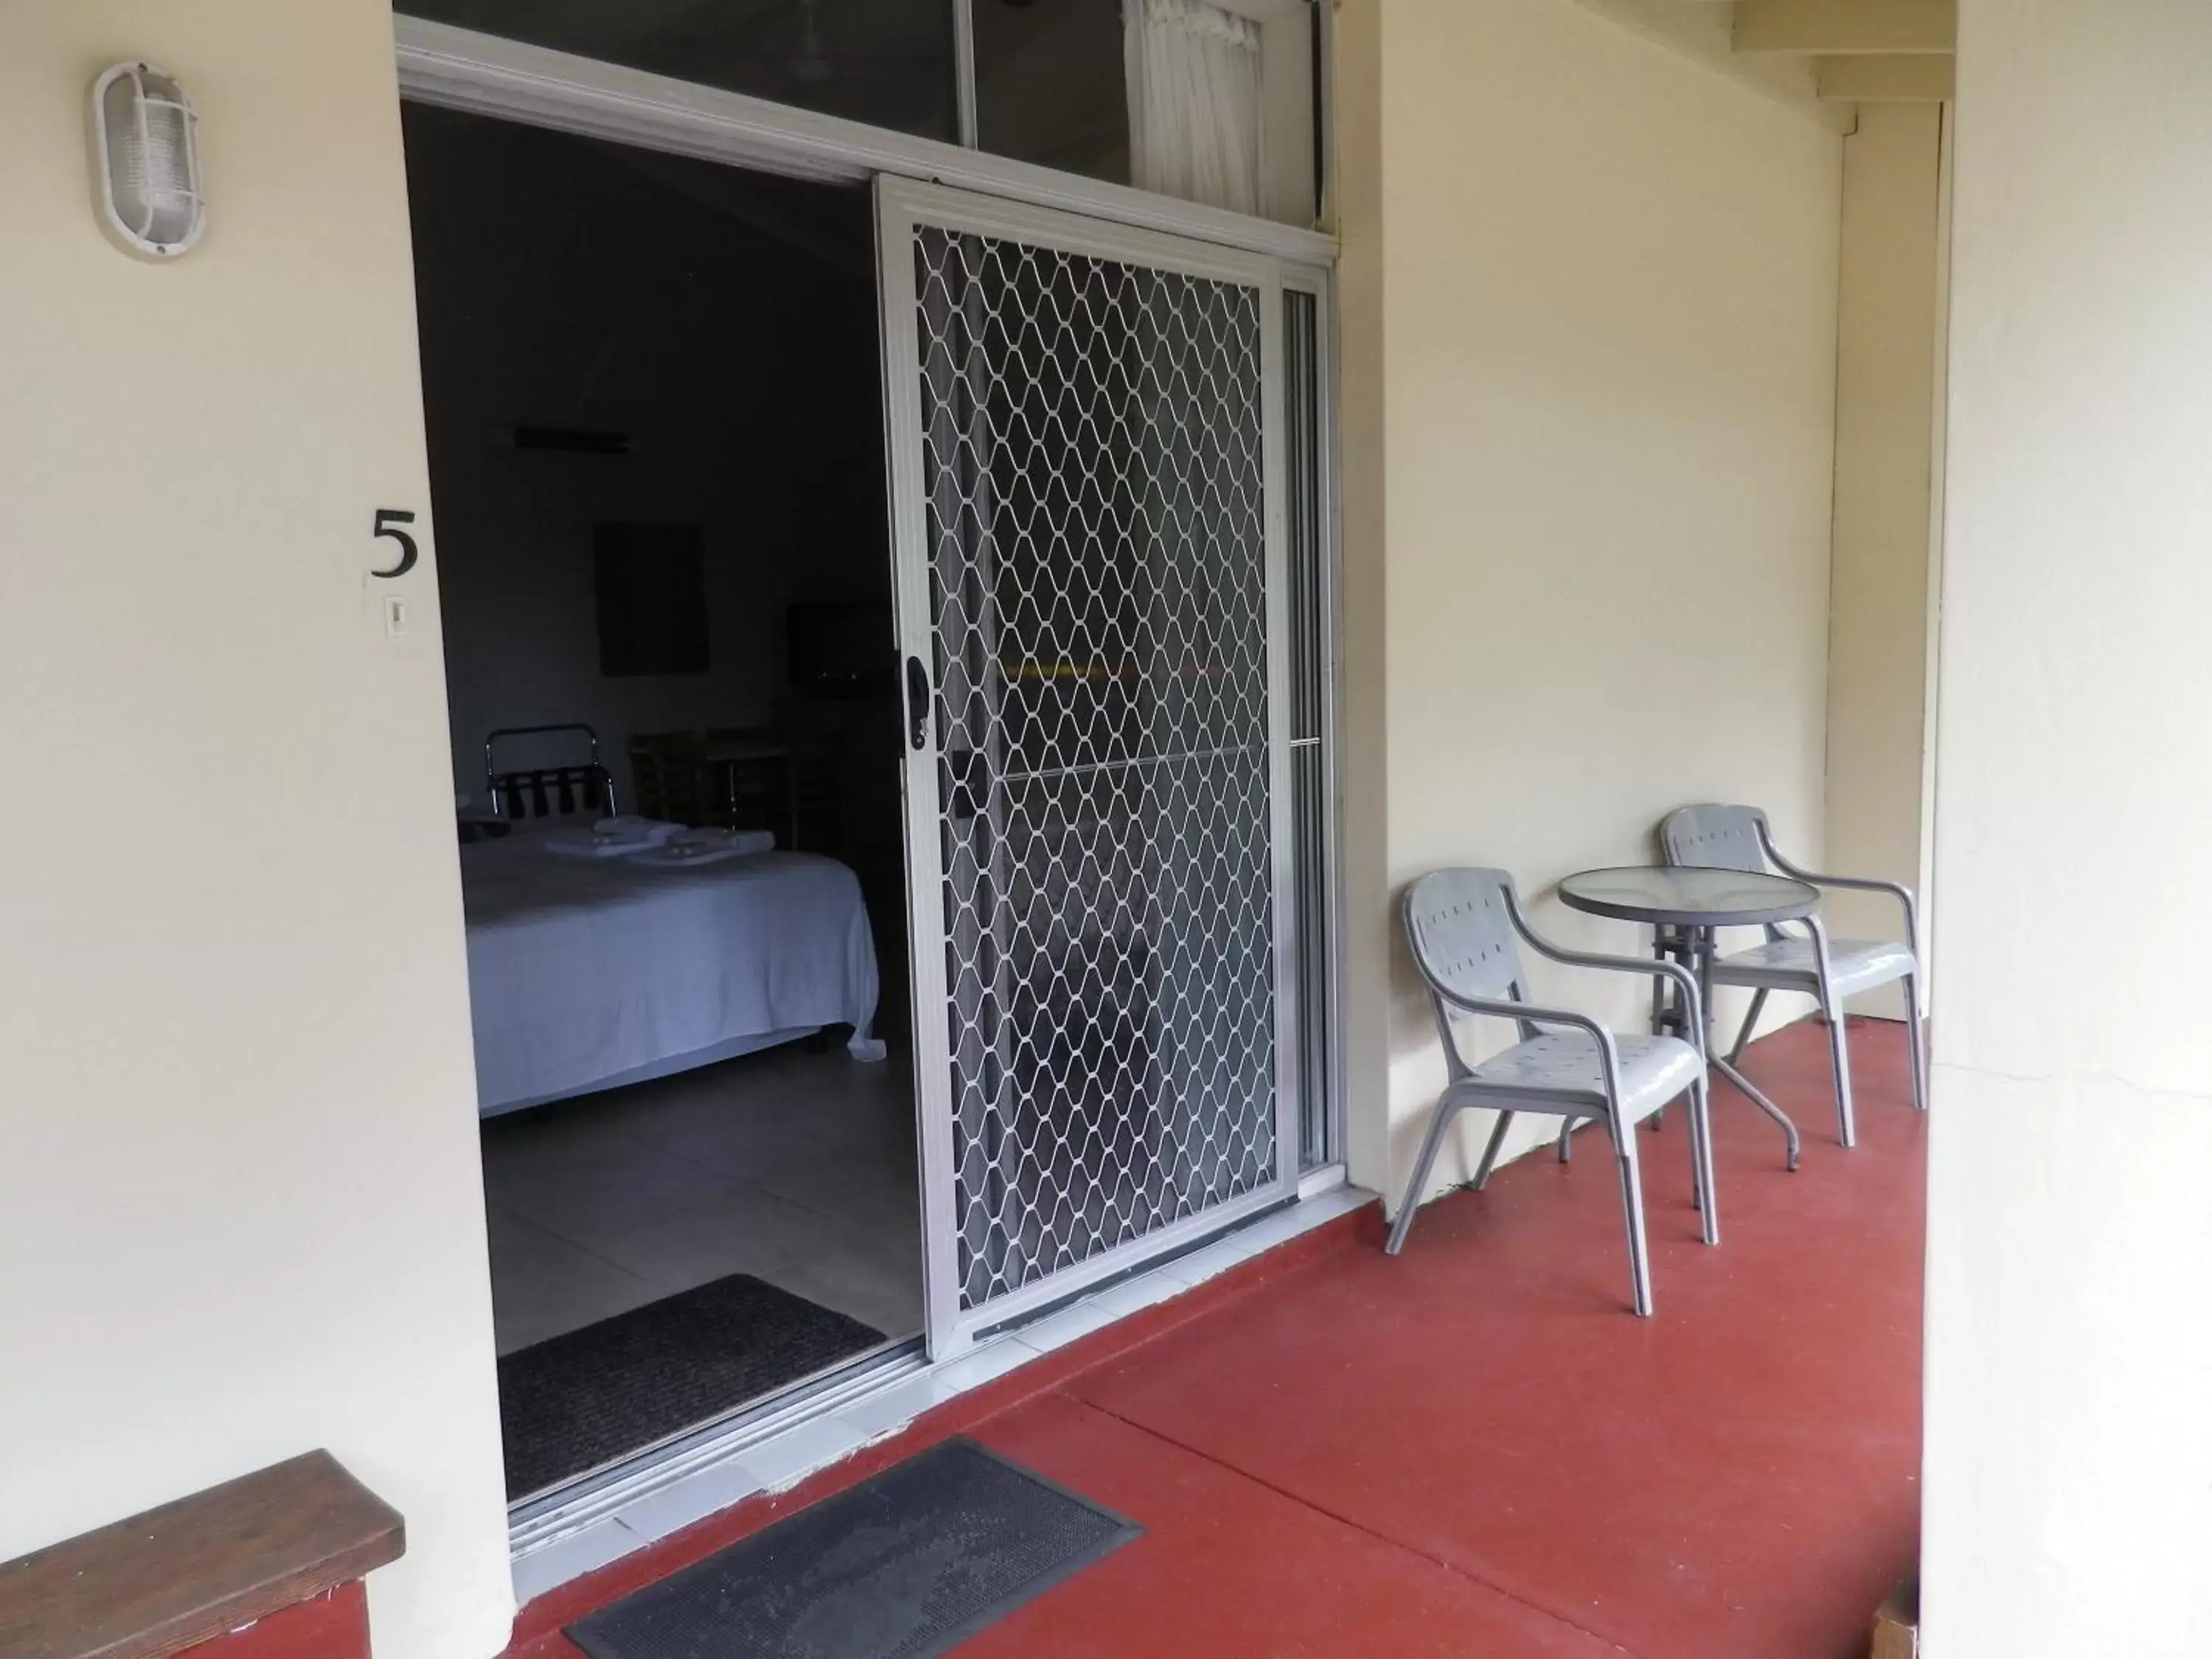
(588, 1397)
(902, 1567)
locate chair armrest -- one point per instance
(1532, 1012)
(1684, 979)
(1535, 1014)
(1897, 890)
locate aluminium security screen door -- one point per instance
(1087, 483)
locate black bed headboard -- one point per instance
(544, 792)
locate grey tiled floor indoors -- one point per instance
(797, 1168)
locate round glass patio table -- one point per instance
(1681, 897)
(1682, 906)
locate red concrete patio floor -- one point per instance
(1475, 1449)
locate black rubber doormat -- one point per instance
(902, 1567)
(589, 1396)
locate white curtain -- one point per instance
(1193, 74)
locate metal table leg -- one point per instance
(1665, 1017)
(1694, 949)
(1704, 949)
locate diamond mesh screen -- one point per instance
(1098, 585)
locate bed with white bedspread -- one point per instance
(589, 972)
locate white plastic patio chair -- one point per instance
(1463, 926)
(1717, 837)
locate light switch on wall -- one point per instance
(398, 621)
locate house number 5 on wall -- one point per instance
(388, 521)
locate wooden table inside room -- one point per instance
(751, 775)
(736, 751)
(742, 778)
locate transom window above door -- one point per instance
(1206, 100)
(888, 62)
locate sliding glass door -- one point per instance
(1087, 461)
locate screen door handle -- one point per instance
(917, 702)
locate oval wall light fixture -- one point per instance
(146, 151)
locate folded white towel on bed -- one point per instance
(586, 847)
(612, 838)
(631, 827)
(707, 847)
(735, 841)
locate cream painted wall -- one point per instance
(1877, 590)
(1602, 336)
(239, 1200)
(2069, 1451)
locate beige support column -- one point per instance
(2068, 1461)
(1879, 614)
(1363, 749)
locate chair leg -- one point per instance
(1701, 1138)
(1632, 1204)
(1839, 1050)
(1917, 1040)
(1659, 994)
(1566, 1146)
(1750, 1024)
(1696, 1164)
(1490, 1150)
(1445, 1113)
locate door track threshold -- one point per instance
(772, 1451)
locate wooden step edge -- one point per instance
(194, 1569)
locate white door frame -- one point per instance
(467, 71)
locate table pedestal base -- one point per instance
(1728, 1070)
(1694, 949)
